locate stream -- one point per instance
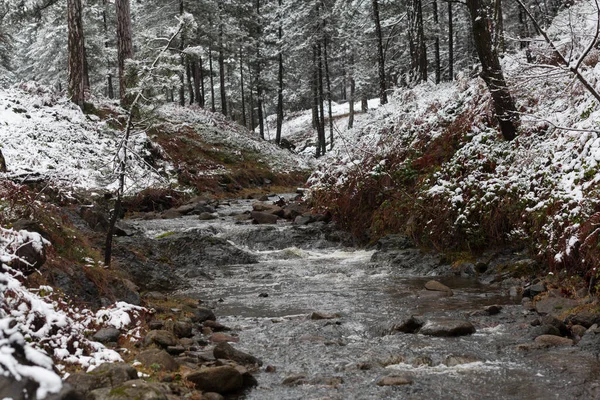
(269, 305)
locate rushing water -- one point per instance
(269, 305)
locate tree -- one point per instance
(504, 104)
(124, 45)
(77, 81)
(380, 57)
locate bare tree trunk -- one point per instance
(109, 83)
(364, 103)
(124, 45)
(201, 74)
(222, 62)
(280, 86)
(352, 92)
(329, 103)
(244, 121)
(504, 105)
(76, 57)
(418, 49)
(259, 89)
(450, 43)
(192, 94)
(322, 143)
(380, 56)
(212, 83)
(436, 43)
(499, 28)
(196, 75)
(315, 103)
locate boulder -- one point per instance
(544, 330)
(590, 341)
(436, 286)
(158, 359)
(554, 341)
(295, 380)
(577, 331)
(263, 218)
(584, 318)
(555, 305)
(215, 326)
(134, 389)
(453, 361)
(107, 375)
(182, 329)
(293, 210)
(32, 254)
(207, 216)
(161, 338)
(226, 351)
(222, 379)
(268, 208)
(107, 335)
(202, 314)
(410, 325)
(320, 315)
(555, 322)
(221, 337)
(447, 327)
(394, 380)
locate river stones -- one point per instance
(182, 329)
(226, 351)
(447, 327)
(135, 389)
(321, 315)
(202, 314)
(222, 379)
(453, 361)
(161, 338)
(410, 325)
(436, 286)
(394, 380)
(159, 359)
(107, 335)
(553, 341)
(263, 218)
(584, 318)
(106, 375)
(222, 337)
(555, 305)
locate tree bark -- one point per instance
(212, 83)
(222, 62)
(124, 45)
(380, 56)
(436, 43)
(450, 43)
(352, 92)
(321, 144)
(196, 75)
(280, 83)
(259, 89)
(244, 121)
(504, 105)
(329, 102)
(76, 57)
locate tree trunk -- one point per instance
(436, 43)
(76, 57)
(329, 103)
(222, 62)
(244, 121)
(380, 56)
(259, 89)
(321, 143)
(504, 105)
(418, 49)
(352, 92)
(191, 91)
(364, 103)
(109, 83)
(212, 83)
(499, 28)
(201, 74)
(280, 86)
(315, 103)
(450, 43)
(196, 75)
(124, 45)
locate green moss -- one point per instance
(164, 235)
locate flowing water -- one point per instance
(269, 305)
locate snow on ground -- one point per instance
(232, 135)
(550, 171)
(44, 134)
(39, 329)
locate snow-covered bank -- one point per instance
(432, 164)
(42, 333)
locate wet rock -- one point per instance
(584, 318)
(202, 314)
(186, 209)
(268, 208)
(551, 340)
(175, 350)
(226, 351)
(577, 331)
(221, 338)
(422, 361)
(534, 289)
(223, 379)
(453, 361)
(555, 305)
(447, 327)
(263, 218)
(303, 219)
(394, 242)
(135, 389)
(158, 359)
(320, 315)
(436, 286)
(105, 375)
(555, 322)
(207, 216)
(171, 213)
(527, 304)
(107, 335)
(544, 330)
(394, 380)
(590, 341)
(215, 326)
(270, 369)
(161, 338)
(411, 325)
(293, 210)
(263, 295)
(331, 381)
(295, 380)
(212, 396)
(182, 329)
(412, 261)
(492, 310)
